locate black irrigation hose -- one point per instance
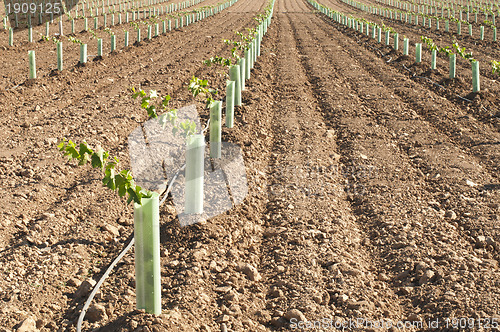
(125, 250)
(112, 266)
(436, 84)
(463, 98)
(416, 76)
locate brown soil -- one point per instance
(372, 194)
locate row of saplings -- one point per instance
(244, 53)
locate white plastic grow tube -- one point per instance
(124, 251)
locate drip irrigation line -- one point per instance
(442, 87)
(172, 183)
(206, 127)
(125, 250)
(414, 75)
(470, 101)
(98, 285)
(439, 85)
(14, 87)
(417, 76)
(119, 258)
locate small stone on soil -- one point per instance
(112, 230)
(85, 288)
(96, 313)
(27, 325)
(450, 214)
(427, 277)
(251, 272)
(295, 313)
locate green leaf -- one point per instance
(134, 195)
(166, 100)
(145, 102)
(99, 158)
(122, 179)
(71, 151)
(61, 145)
(122, 190)
(152, 112)
(85, 154)
(162, 120)
(109, 178)
(84, 149)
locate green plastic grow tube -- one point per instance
(215, 129)
(195, 155)
(234, 75)
(32, 64)
(475, 76)
(453, 62)
(418, 52)
(147, 254)
(242, 64)
(83, 53)
(230, 104)
(59, 56)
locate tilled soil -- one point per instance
(373, 198)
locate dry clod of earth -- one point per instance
(27, 325)
(96, 312)
(295, 314)
(112, 230)
(205, 328)
(426, 278)
(73, 282)
(85, 288)
(450, 214)
(250, 271)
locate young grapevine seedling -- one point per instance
(122, 181)
(495, 66)
(74, 40)
(186, 128)
(445, 50)
(218, 60)
(92, 32)
(236, 47)
(461, 52)
(108, 31)
(135, 25)
(198, 86)
(145, 101)
(430, 43)
(387, 28)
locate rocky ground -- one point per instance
(373, 196)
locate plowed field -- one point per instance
(373, 193)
